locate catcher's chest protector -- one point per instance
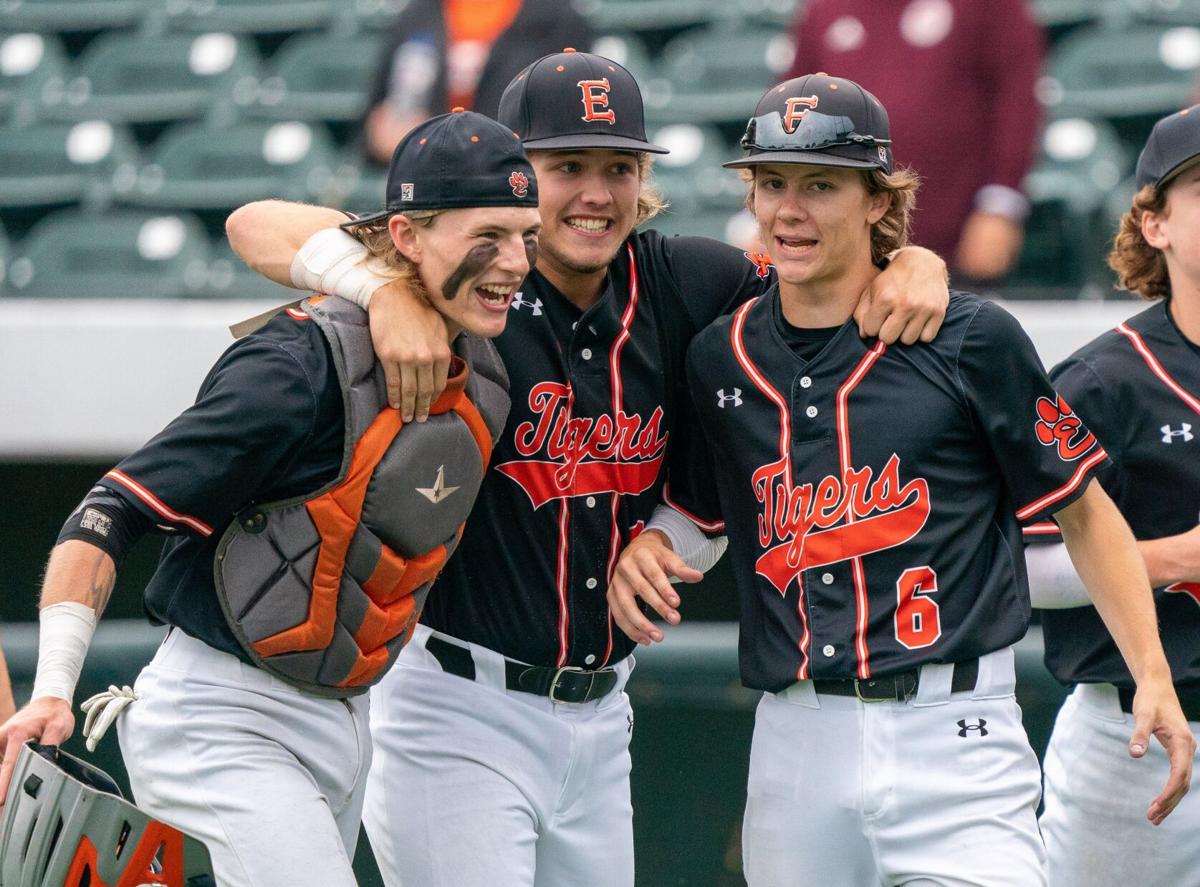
(323, 590)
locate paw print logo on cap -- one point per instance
(519, 182)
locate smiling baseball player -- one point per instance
(1138, 387)
(872, 497)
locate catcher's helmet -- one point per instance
(66, 825)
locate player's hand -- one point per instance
(47, 719)
(988, 246)
(907, 300)
(644, 571)
(411, 342)
(1156, 712)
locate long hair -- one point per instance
(890, 232)
(650, 200)
(383, 258)
(1140, 268)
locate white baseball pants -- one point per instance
(270, 778)
(940, 790)
(474, 785)
(1094, 821)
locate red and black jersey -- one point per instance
(1138, 387)
(872, 495)
(581, 463)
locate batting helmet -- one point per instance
(66, 825)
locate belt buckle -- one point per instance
(868, 699)
(557, 680)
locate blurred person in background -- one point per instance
(7, 706)
(957, 78)
(460, 53)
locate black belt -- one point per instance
(567, 684)
(898, 687)
(1189, 701)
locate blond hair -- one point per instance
(890, 232)
(382, 254)
(1140, 268)
(650, 200)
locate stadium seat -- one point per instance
(136, 78)
(1061, 13)
(717, 75)
(73, 15)
(30, 65)
(692, 173)
(230, 278)
(628, 51)
(319, 77)
(648, 15)
(372, 15)
(124, 254)
(5, 251)
(58, 163)
(357, 186)
(199, 167)
(1143, 70)
(693, 221)
(1172, 12)
(249, 16)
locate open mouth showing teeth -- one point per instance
(494, 294)
(796, 244)
(591, 226)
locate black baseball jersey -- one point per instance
(872, 495)
(1138, 388)
(267, 424)
(581, 463)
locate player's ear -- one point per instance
(1154, 229)
(405, 237)
(877, 205)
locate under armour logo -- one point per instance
(1169, 434)
(966, 727)
(735, 398)
(519, 302)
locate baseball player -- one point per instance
(1138, 388)
(502, 740)
(7, 706)
(306, 523)
(872, 497)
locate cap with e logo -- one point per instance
(576, 100)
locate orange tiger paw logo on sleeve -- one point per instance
(763, 263)
(1057, 426)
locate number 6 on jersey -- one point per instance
(917, 622)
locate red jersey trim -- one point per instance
(1157, 368)
(861, 601)
(1066, 489)
(1045, 528)
(157, 504)
(564, 521)
(714, 527)
(297, 314)
(785, 452)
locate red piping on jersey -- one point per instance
(1066, 489)
(297, 314)
(856, 564)
(157, 504)
(1157, 368)
(564, 519)
(785, 453)
(1046, 528)
(715, 527)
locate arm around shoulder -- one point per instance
(267, 234)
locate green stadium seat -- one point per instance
(73, 15)
(319, 77)
(372, 15)
(1060, 13)
(230, 278)
(249, 16)
(648, 15)
(717, 75)
(692, 173)
(58, 163)
(357, 186)
(628, 51)
(200, 167)
(691, 220)
(1138, 71)
(137, 78)
(5, 251)
(124, 254)
(30, 65)
(1173, 12)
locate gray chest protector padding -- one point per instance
(324, 590)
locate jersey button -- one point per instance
(591, 501)
(586, 353)
(828, 650)
(589, 659)
(811, 412)
(591, 583)
(827, 578)
(805, 382)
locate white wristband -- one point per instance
(334, 263)
(64, 634)
(1053, 582)
(693, 547)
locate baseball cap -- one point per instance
(457, 160)
(1174, 141)
(820, 120)
(576, 100)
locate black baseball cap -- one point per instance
(1173, 144)
(454, 161)
(820, 120)
(576, 100)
